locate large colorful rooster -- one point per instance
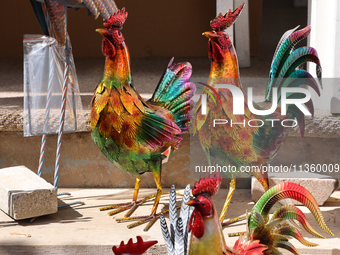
(133, 133)
(264, 235)
(247, 139)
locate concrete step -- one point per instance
(83, 165)
(86, 230)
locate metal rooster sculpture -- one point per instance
(243, 145)
(133, 133)
(264, 235)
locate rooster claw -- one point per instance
(231, 221)
(125, 206)
(142, 219)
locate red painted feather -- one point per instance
(244, 247)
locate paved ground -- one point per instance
(86, 230)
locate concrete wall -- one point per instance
(83, 165)
(153, 28)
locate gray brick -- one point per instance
(23, 194)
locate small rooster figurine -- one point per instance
(206, 236)
(263, 235)
(254, 144)
(133, 133)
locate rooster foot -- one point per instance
(237, 234)
(133, 205)
(152, 218)
(231, 221)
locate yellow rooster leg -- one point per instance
(231, 221)
(237, 234)
(156, 170)
(232, 187)
(133, 205)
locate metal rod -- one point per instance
(48, 99)
(62, 117)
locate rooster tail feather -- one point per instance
(284, 72)
(287, 246)
(295, 112)
(184, 214)
(297, 78)
(293, 232)
(292, 212)
(166, 236)
(174, 92)
(288, 190)
(282, 52)
(298, 57)
(282, 40)
(172, 213)
(179, 237)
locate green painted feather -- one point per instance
(287, 190)
(282, 52)
(293, 232)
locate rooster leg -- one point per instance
(125, 206)
(231, 221)
(232, 187)
(156, 168)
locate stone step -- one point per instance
(24, 194)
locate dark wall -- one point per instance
(153, 28)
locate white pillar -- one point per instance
(222, 6)
(239, 36)
(242, 39)
(324, 17)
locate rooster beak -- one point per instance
(191, 202)
(211, 35)
(102, 31)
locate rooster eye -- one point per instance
(119, 33)
(203, 204)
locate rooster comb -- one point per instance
(209, 184)
(222, 22)
(117, 19)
